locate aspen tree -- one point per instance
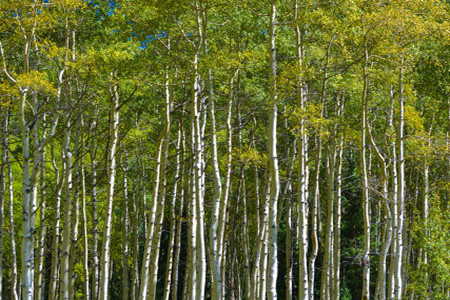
(134, 225)
(326, 278)
(173, 225)
(303, 174)
(126, 225)
(398, 259)
(153, 233)
(76, 209)
(264, 238)
(394, 184)
(39, 285)
(87, 291)
(198, 191)
(364, 177)
(105, 261)
(66, 291)
(73, 85)
(326, 285)
(190, 288)
(4, 149)
(165, 135)
(30, 170)
(224, 205)
(380, 291)
(338, 212)
(273, 162)
(12, 231)
(314, 219)
(257, 260)
(67, 199)
(216, 289)
(94, 215)
(54, 274)
(175, 273)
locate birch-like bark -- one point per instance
(13, 282)
(67, 218)
(173, 225)
(86, 269)
(426, 203)
(398, 259)
(303, 175)
(365, 180)
(223, 217)
(4, 149)
(326, 290)
(105, 261)
(264, 238)
(156, 240)
(394, 210)
(43, 230)
(380, 290)
(216, 288)
(198, 193)
(175, 278)
(315, 220)
(191, 269)
(337, 218)
(74, 234)
(135, 230)
(257, 260)
(126, 225)
(54, 274)
(273, 163)
(149, 284)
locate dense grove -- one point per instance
(212, 149)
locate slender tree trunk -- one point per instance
(337, 219)
(223, 217)
(126, 225)
(74, 234)
(67, 219)
(54, 274)
(257, 261)
(86, 269)
(94, 214)
(365, 181)
(398, 260)
(173, 225)
(151, 248)
(380, 290)
(105, 262)
(14, 294)
(327, 266)
(175, 277)
(4, 149)
(216, 288)
(394, 184)
(303, 177)
(264, 236)
(42, 232)
(136, 229)
(273, 164)
(315, 220)
(156, 241)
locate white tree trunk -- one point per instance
(365, 182)
(273, 164)
(398, 260)
(105, 263)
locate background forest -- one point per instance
(239, 149)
